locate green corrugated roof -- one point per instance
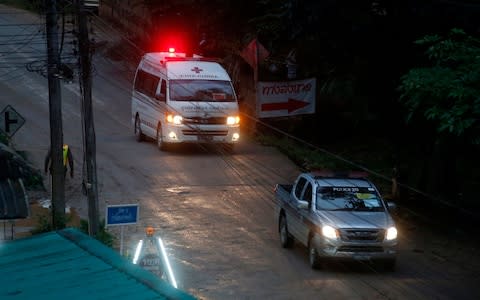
(68, 264)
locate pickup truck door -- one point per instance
(306, 215)
(294, 218)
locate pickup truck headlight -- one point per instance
(391, 234)
(329, 232)
(175, 119)
(233, 120)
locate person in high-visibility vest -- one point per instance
(67, 160)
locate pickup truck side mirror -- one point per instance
(391, 206)
(302, 204)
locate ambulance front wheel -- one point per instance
(139, 136)
(160, 143)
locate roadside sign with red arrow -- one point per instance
(280, 99)
(291, 105)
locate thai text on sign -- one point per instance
(280, 99)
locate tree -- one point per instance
(445, 93)
(219, 23)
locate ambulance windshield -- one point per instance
(201, 91)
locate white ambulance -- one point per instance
(178, 99)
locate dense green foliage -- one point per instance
(26, 4)
(3, 139)
(448, 91)
(360, 52)
(44, 224)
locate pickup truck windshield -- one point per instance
(348, 199)
(201, 91)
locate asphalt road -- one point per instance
(213, 209)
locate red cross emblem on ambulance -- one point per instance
(196, 70)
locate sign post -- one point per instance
(120, 215)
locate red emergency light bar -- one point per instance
(348, 174)
(191, 59)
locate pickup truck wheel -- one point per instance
(139, 136)
(313, 256)
(285, 237)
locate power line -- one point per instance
(331, 154)
(233, 165)
(257, 167)
(21, 24)
(312, 146)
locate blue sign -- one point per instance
(122, 214)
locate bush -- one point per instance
(31, 5)
(34, 182)
(44, 224)
(3, 139)
(102, 235)
(303, 156)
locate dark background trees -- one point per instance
(364, 56)
(378, 87)
(359, 51)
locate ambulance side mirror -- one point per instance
(161, 97)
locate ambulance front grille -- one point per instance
(205, 132)
(207, 121)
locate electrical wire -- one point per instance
(256, 168)
(330, 154)
(259, 194)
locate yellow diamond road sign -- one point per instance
(10, 121)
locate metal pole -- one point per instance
(255, 83)
(86, 79)
(55, 108)
(121, 240)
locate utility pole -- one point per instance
(89, 131)
(55, 107)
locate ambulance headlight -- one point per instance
(233, 120)
(174, 119)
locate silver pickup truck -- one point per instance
(336, 216)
